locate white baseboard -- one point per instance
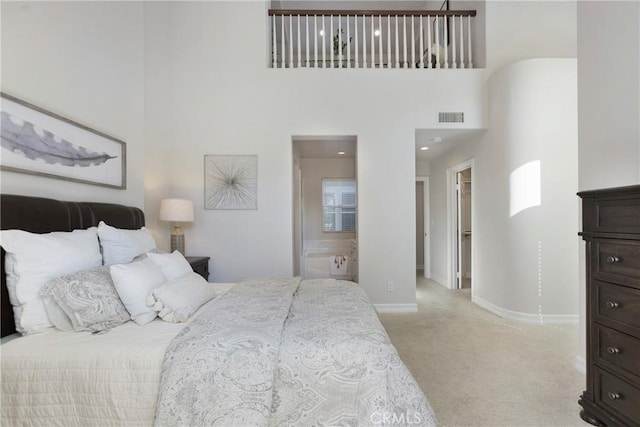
(554, 319)
(439, 280)
(396, 308)
(581, 365)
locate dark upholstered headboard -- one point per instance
(40, 215)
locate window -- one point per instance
(339, 205)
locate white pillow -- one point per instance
(121, 246)
(173, 265)
(134, 282)
(178, 299)
(34, 259)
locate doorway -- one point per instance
(325, 207)
(423, 235)
(463, 237)
(460, 208)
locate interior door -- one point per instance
(465, 226)
(427, 227)
(459, 235)
(420, 225)
(423, 238)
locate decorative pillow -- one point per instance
(88, 299)
(178, 299)
(173, 265)
(133, 283)
(122, 246)
(34, 259)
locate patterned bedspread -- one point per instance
(284, 352)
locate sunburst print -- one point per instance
(231, 182)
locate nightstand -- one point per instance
(200, 265)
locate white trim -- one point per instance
(452, 221)
(440, 281)
(546, 319)
(581, 365)
(426, 209)
(396, 308)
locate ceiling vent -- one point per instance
(450, 117)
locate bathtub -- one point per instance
(319, 254)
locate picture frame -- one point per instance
(38, 142)
(231, 182)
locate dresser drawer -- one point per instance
(612, 214)
(617, 395)
(617, 307)
(618, 349)
(617, 261)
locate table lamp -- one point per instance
(176, 211)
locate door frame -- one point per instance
(427, 225)
(452, 221)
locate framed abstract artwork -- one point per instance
(39, 142)
(230, 182)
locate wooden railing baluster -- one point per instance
(469, 45)
(348, 43)
(299, 44)
(291, 41)
(444, 42)
(413, 43)
(461, 43)
(454, 58)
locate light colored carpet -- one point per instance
(478, 369)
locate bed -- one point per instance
(263, 352)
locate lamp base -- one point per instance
(177, 243)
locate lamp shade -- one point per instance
(176, 210)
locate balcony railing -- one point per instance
(371, 39)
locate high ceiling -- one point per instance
(326, 147)
(440, 141)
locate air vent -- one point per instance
(450, 117)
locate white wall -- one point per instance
(422, 167)
(157, 119)
(518, 30)
(527, 261)
(224, 100)
(88, 66)
(533, 116)
(609, 93)
(313, 172)
(608, 105)
(297, 210)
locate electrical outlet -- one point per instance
(391, 287)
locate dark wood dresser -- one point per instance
(611, 229)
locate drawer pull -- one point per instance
(611, 304)
(613, 259)
(612, 350)
(614, 396)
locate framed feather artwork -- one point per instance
(39, 142)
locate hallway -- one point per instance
(478, 369)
